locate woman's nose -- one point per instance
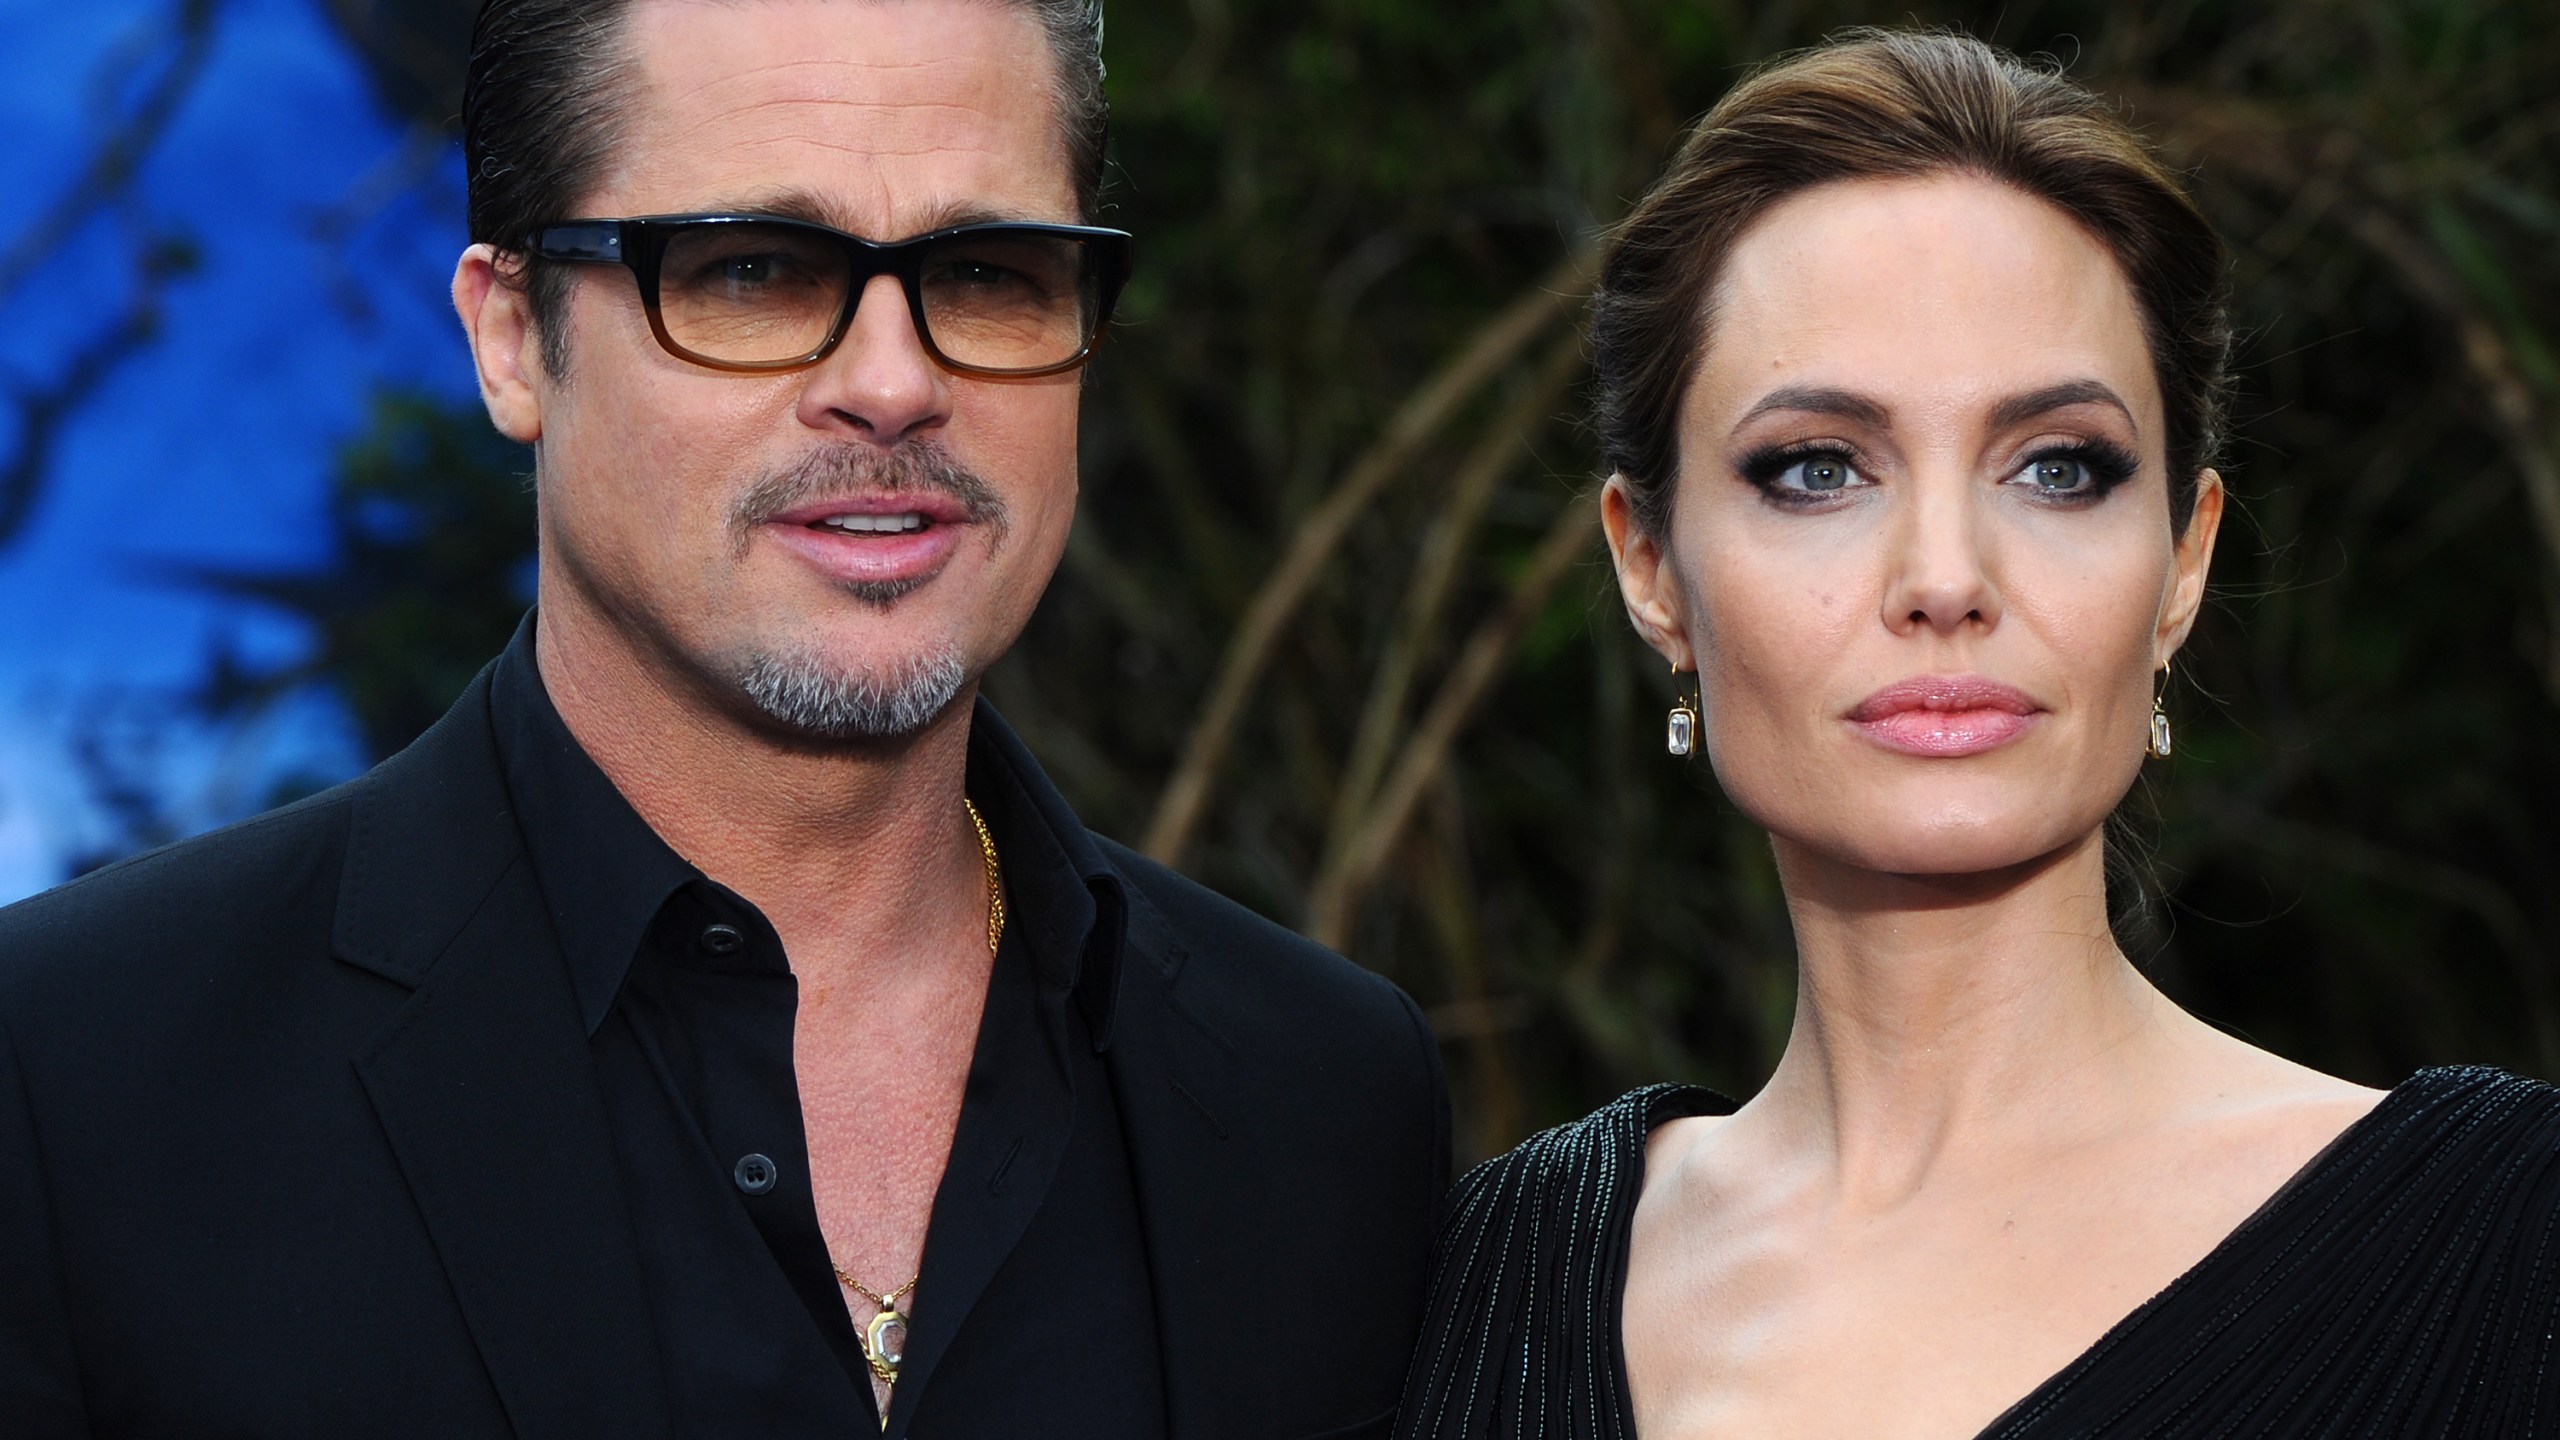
(1939, 576)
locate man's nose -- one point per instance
(1940, 573)
(880, 382)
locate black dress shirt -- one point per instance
(1033, 1315)
(413, 1111)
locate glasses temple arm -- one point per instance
(599, 240)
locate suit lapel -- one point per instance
(1198, 1167)
(485, 1088)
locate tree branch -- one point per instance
(1186, 795)
(119, 155)
(2524, 414)
(1339, 890)
(42, 410)
(1435, 575)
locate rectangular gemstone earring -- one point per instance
(1684, 719)
(2160, 716)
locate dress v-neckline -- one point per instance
(2030, 1407)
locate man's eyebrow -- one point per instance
(787, 204)
(797, 204)
(1820, 400)
(2018, 409)
(951, 217)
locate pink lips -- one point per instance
(1945, 716)
(874, 557)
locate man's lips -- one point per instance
(1945, 715)
(880, 539)
(856, 513)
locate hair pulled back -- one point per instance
(1882, 104)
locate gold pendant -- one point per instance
(884, 1343)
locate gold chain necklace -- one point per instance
(995, 876)
(884, 1340)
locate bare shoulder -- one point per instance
(1674, 1143)
(2256, 1118)
(2275, 1091)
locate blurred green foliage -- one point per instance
(1335, 630)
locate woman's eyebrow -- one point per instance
(1820, 400)
(2018, 409)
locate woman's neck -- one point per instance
(1948, 1019)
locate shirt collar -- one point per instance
(1067, 898)
(605, 874)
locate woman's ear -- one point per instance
(1647, 579)
(2190, 561)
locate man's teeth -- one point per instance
(875, 524)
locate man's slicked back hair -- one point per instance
(542, 109)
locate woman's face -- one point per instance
(1920, 551)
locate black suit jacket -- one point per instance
(299, 1136)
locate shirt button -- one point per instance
(756, 1174)
(722, 939)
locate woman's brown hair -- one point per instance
(1877, 104)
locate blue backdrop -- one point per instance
(325, 237)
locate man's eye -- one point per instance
(975, 273)
(747, 269)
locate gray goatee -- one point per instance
(820, 695)
(816, 697)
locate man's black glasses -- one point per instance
(758, 293)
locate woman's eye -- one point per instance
(2059, 475)
(1802, 476)
(1816, 475)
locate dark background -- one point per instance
(1335, 632)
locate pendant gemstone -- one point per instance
(1684, 730)
(2159, 734)
(884, 1343)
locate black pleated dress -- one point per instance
(2405, 1283)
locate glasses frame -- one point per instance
(640, 245)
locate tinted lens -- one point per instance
(1002, 301)
(751, 294)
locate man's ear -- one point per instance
(497, 318)
(2191, 560)
(1647, 580)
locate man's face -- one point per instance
(755, 537)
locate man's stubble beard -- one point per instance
(817, 696)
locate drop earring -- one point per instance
(1684, 717)
(2160, 716)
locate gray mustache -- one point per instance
(848, 472)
